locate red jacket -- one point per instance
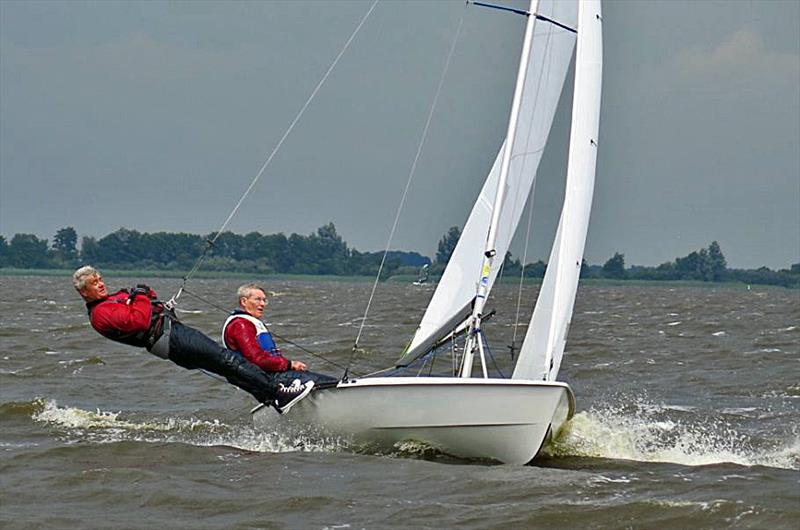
(240, 335)
(116, 315)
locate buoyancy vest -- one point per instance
(141, 339)
(263, 335)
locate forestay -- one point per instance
(543, 347)
(551, 51)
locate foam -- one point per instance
(109, 427)
(642, 434)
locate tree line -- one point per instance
(324, 252)
(705, 265)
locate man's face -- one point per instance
(254, 303)
(94, 289)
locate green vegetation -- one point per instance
(447, 245)
(320, 253)
(325, 253)
(704, 265)
(614, 267)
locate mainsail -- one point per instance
(543, 347)
(550, 52)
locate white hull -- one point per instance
(500, 419)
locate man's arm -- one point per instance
(123, 317)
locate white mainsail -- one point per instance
(543, 347)
(550, 52)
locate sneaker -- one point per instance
(288, 396)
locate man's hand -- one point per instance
(299, 365)
(140, 289)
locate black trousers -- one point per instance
(288, 376)
(192, 349)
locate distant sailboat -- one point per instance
(423, 275)
(487, 416)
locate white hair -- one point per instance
(244, 290)
(80, 276)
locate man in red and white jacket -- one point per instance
(246, 333)
(135, 317)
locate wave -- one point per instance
(638, 434)
(99, 426)
(644, 435)
(19, 409)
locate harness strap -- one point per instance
(145, 338)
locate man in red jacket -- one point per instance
(136, 317)
(244, 332)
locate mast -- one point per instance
(490, 252)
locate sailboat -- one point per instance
(422, 277)
(481, 415)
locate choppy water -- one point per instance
(688, 414)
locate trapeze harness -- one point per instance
(141, 339)
(263, 335)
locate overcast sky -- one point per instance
(156, 116)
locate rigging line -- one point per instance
(524, 13)
(522, 271)
(544, 67)
(501, 8)
(498, 279)
(411, 174)
(491, 355)
(279, 144)
(297, 118)
(284, 339)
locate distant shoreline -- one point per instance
(219, 275)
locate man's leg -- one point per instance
(192, 349)
(320, 380)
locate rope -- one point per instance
(491, 356)
(522, 273)
(210, 243)
(411, 174)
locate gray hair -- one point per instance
(244, 290)
(80, 276)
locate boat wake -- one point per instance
(76, 424)
(641, 435)
(647, 433)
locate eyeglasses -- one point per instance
(258, 299)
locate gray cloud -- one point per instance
(738, 66)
